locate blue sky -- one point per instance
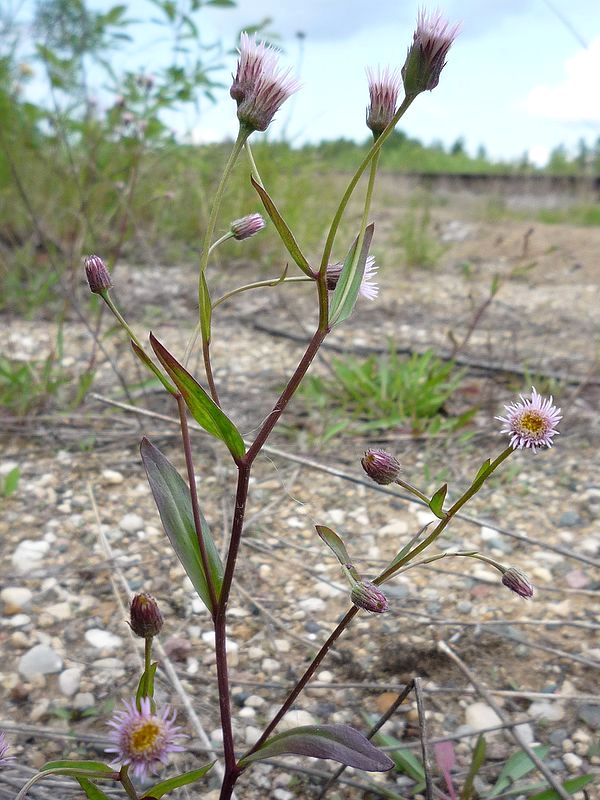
(518, 78)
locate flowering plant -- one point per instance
(142, 735)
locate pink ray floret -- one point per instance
(532, 422)
(142, 738)
(384, 88)
(368, 286)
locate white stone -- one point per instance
(294, 719)
(247, 712)
(15, 598)
(398, 527)
(102, 640)
(131, 523)
(69, 681)
(270, 665)
(337, 516)
(526, 732)
(325, 677)
(551, 711)
(572, 762)
(480, 715)
(254, 701)
(282, 645)
(312, 604)
(28, 554)
(251, 734)
(425, 517)
(112, 477)
(83, 700)
(488, 534)
(59, 611)
(19, 620)
(39, 660)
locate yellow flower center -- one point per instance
(532, 422)
(145, 737)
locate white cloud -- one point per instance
(575, 98)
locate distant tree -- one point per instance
(458, 148)
(482, 153)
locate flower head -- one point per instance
(145, 618)
(97, 274)
(517, 582)
(370, 597)
(426, 56)
(4, 750)
(259, 87)
(384, 87)
(143, 739)
(247, 226)
(368, 285)
(380, 466)
(532, 422)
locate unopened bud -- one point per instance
(517, 582)
(97, 274)
(427, 55)
(370, 597)
(247, 226)
(381, 466)
(145, 618)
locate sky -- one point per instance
(522, 77)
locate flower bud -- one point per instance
(247, 226)
(97, 274)
(517, 582)
(370, 597)
(381, 466)
(426, 56)
(145, 617)
(384, 87)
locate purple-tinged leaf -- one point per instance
(287, 237)
(446, 760)
(335, 543)
(145, 359)
(338, 742)
(172, 498)
(202, 407)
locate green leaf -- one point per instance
(145, 359)
(184, 779)
(436, 504)
(483, 470)
(172, 498)
(348, 285)
(146, 683)
(287, 237)
(87, 766)
(11, 481)
(334, 542)
(338, 742)
(92, 792)
(476, 764)
(572, 785)
(518, 765)
(202, 407)
(205, 309)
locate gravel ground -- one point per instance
(82, 531)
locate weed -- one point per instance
(420, 247)
(9, 483)
(386, 391)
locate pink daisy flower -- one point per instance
(368, 285)
(142, 738)
(5, 758)
(532, 422)
(259, 87)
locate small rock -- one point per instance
(15, 599)
(312, 604)
(102, 640)
(29, 554)
(590, 545)
(572, 762)
(39, 660)
(552, 711)
(111, 476)
(480, 715)
(69, 681)
(590, 714)
(177, 648)
(131, 523)
(59, 611)
(398, 527)
(251, 734)
(83, 700)
(570, 519)
(270, 665)
(542, 574)
(294, 719)
(526, 732)
(254, 701)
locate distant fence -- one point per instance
(548, 191)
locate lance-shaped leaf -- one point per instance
(517, 766)
(92, 792)
(162, 788)
(287, 237)
(146, 684)
(436, 504)
(202, 407)
(477, 761)
(348, 285)
(334, 542)
(338, 742)
(483, 470)
(205, 309)
(174, 504)
(571, 786)
(84, 767)
(145, 359)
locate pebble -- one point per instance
(553, 711)
(294, 719)
(59, 611)
(254, 701)
(480, 715)
(28, 554)
(590, 545)
(69, 681)
(270, 665)
(572, 762)
(251, 734)
(39, 660)
(590, 714)
(542, 574)
(570, 519)
(15, 599)
(112, 477)
(131, 523)
(83, 700)
(398, 527)
(102, 640)
(526, 732)
(312, 604)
